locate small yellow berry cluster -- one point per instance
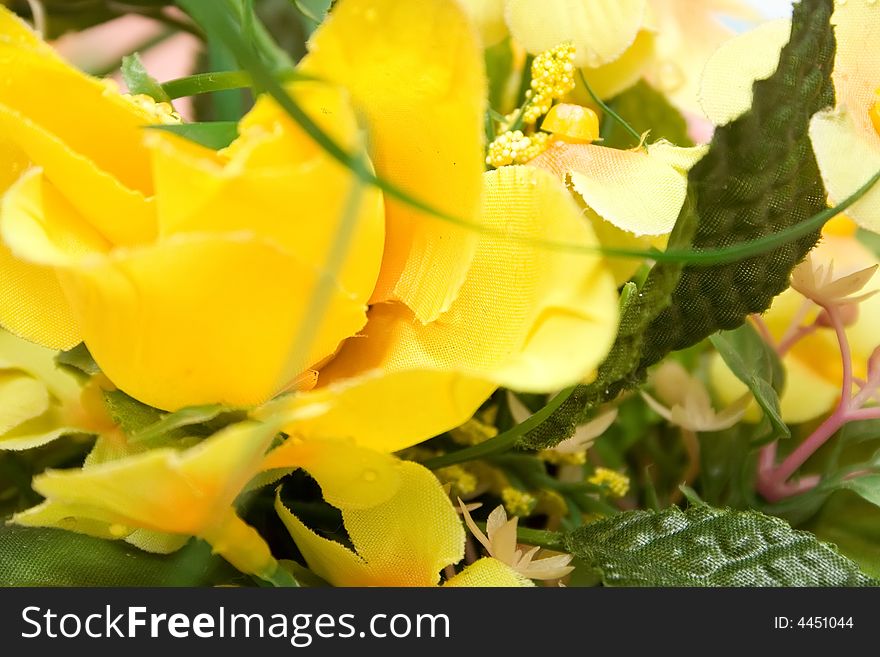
(616, 483)
(462, 482)
(515, 147)
(518, 502)
(473, 432)
(552, 78)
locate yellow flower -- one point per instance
(405, 541)
(40, 401)
(619, 41)
(813, 365)
(845, 137)
(500, 542)
(198, 296)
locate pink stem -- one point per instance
(763, 330)
(773, 482)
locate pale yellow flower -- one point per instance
(500, 542)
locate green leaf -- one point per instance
(190, 417)
(758, 179)
(135, 75)
(79, 359)
(499, 68)
(645, 109)
(211, 134)
(709, 547)
(866, 486)
(129, 413)
(53, 557)
(757, 365)
(853, 525)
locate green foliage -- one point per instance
(867, 487)
(757, 365)
(139, 81)
(53, 557)
(211, 134)
(646, 110)
(704, 546)
(79, 360)
(499, 68)
(853, 525)
(759, 178)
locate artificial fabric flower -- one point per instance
(500, 542)
(845, 138)
(620, 41)
(685, 402)
(405, 541)
(40, 401)
(810, 351)
(157, 496)
(203, 293)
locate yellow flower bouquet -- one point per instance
(439, 293)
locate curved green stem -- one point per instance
(503, 441)
(607, 109)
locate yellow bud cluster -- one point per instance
(462, 482)
(514, 147)
(562, 458)
(518, 502)
(616, 483)
(162, 112)
(552, 78)
(473, 432)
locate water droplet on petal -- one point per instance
(370, 475)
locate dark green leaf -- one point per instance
(139, 81)
(758, 179)
(499, 68)
(187, 417)
(645, 109)
(709, 547)
(53, 557)
(757, 365)
(211, 134)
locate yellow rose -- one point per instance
(190, 273)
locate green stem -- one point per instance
(503, 441)
(540, 537)
(605, 108)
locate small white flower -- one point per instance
(687, 401)
(815, 280)
(500, 542)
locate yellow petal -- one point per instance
(386, 411)
(856, 71)
(415, 73)
(152, 321)
(847, 158)
(601, 30)
(688, 33)
(98, 123)
(726, 86)
(39, 362)
(164, 490)
(631, 190)
(350, 477)
(22, 398)
(405, 541)
(619, 75)
(488, 17)
(33, 305)
(488, 572)
(120, 214)
(276, 182)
